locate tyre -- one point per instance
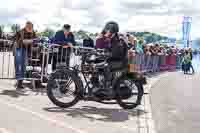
(64, 84)
(136, 90)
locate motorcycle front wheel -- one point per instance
(64, 88)
(135, 93)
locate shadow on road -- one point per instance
(13, 93)
(37, 91)
(28, 88)
(99, 114)
(154, 74)
(189, 74)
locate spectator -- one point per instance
(161, 51)
(191, 56)
(64, 38)
(147, 50)
(152, 49)
(88, 42)
(190, 52)
(156, 48)
(139, 47)
(186, 62)
(132, 41)
(24, 39)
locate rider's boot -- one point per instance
(108, 82)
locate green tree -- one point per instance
(1, 32)
(2, 28)
(82, 33)
(48, 33)
(96, 34)
(15, 28)
(159, 37)
(91, 34)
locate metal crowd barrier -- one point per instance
(158, 63)
(31, 63)
(28, 63)
(35, 62)
(7, 70)
(42, 59)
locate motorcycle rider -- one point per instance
(110, 40)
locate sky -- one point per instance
(159, 16)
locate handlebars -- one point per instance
(91, 51)
(78, 50)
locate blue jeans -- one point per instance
(20, 63)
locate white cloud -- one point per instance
(161, 16)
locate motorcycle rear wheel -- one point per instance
(136, 86)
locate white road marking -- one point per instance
(43, 117)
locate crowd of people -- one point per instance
(65, 38)
(141, 48)
(138, 47)
(108, 38)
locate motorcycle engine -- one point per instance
(125, 92)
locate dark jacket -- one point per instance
(117, 47)
(21, 35)
(191, 55)
(102, 43)
(88, 43)
(61, 39)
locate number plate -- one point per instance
(55, 50)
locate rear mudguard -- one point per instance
(138, 77)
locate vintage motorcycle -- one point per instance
(88, 82)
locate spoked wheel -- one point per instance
(129, 93)
(64, 88)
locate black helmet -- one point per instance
(111, 26)
(67, 27)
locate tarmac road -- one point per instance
(175, 103)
